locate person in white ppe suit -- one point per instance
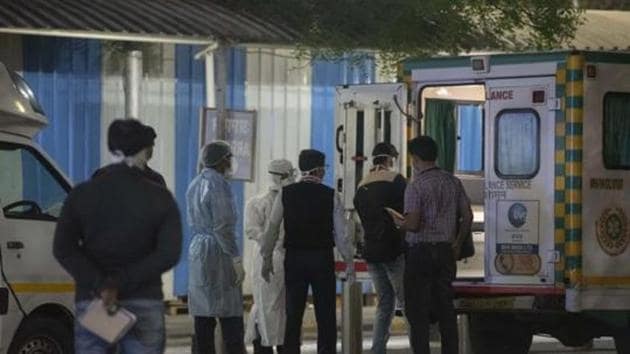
(214, 264)
(267, 318)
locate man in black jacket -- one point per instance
(383, 245)
(116, 235)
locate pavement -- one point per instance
(180, 329)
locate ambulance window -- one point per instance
(30, 189)
(469, 138)
(617, 130)
(517, 153)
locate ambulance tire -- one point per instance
(43, 335)
(498, 334)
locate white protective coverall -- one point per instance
(268, 312)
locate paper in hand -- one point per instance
(394, 213)
(110, 328)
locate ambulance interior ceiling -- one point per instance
(467, 153)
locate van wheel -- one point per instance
(498, 334)
(43, 336)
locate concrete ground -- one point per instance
(180, 330)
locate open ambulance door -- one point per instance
(519, 180)
(366, 115)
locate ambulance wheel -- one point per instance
(498, 334)
(43, 335)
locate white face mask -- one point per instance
(277, 181)
(138, 160)
(117, 156)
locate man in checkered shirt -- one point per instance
(437, 217)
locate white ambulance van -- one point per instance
(36, 294)
(541, 143)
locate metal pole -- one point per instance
(463, 330)
(221, 88)
(351, 319)
(133, 81)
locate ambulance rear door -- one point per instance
(365, 116)
(519, 188)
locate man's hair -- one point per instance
(424, 147)
(381, 160)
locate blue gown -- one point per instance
(212, 216)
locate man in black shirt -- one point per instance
(383, 246)
(116, 235)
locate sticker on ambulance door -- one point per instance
(517, 237)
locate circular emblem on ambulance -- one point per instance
(613, 234)
(517, 215)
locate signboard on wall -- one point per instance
(239, 130)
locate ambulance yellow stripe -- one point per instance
(606, 281)
(559, 179)
(573, 248)
(43, 287)
(574, 142)
(574, 116)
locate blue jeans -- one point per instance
(146, 336)
(388, 282)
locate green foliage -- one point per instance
(402, 28)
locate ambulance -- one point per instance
(541, 142)
(36, 294)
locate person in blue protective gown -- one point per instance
(215, 266)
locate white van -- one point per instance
(36, 294)
(541, 142)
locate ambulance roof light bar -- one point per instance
(480, 64)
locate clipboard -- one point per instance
(110, 328)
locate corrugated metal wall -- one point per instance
(65, 75)
(190, 95)
(279, 89)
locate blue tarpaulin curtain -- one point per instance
(470, 138)
(441, 126)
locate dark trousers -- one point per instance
(232, 329)
(429, 272)
(317, 269)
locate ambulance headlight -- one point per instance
(22, 87)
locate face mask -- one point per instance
(117, 156)
(138, 160)
(279, 181)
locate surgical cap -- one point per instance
(129, 136)
(213, 153)
(280, 167)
